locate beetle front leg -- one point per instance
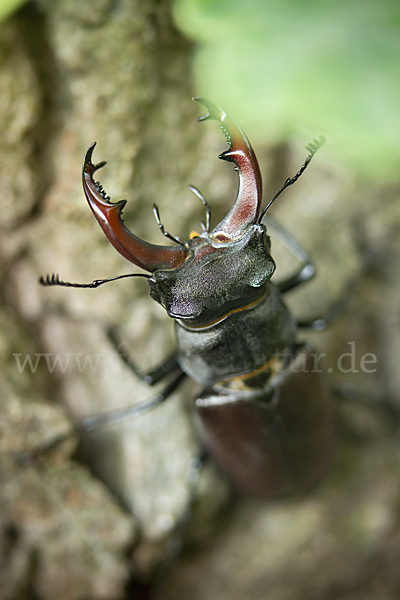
(102, 420)
(97, 421)
(167, 366)
(322, 322)
(306, 271)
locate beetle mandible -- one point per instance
(263, 413)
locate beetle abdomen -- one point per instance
(275, 441)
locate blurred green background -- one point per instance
(300, 69)
(8, 6)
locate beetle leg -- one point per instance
(196, 192)
(96, 421)
(306, 270)
(102, 420)
(29, 457)
(156, 213)
(323, 321)
(167, 366)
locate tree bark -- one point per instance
(98, 522)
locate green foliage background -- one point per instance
(290, 68)
(8, 6)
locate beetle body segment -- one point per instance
(242, 342)
(274, 439)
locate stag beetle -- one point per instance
(263, 413)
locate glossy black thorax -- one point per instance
(216, 278)
(254, 335)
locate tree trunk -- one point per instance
(105, 516)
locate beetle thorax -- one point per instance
(241, 342)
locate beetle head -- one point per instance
(216, 278)
(210, 274)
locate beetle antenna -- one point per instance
(54, 279)
(161, 226)
(196, 192)
(312, 147)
